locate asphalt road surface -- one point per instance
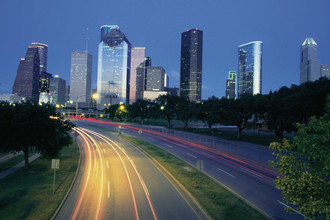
(250, 181)
(117, 181)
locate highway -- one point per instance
(250, 181)
(117, 181)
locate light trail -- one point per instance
(102, 173)
(83, 192)
(106, 139)
(127, 175)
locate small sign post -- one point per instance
(119, 127)
(140, 131)
(55, 166)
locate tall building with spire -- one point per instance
(250, 68)
(310, 67)
(81, 78)
(191, 65)
(27, 79)
(114, 60)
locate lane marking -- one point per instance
(106, 139)
(290, 208)
(191, 155)
(251, 172)
(226, 172)
(168, 145)
(108, 189)
(107, 164)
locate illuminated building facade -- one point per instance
(155, 78)
(27, 79)
(43, 50)
(81, 78)
(191, 65)
(309, 64)
(231, 85)
(57, 89)
(250, 68)
(138, 55)
(114, 60)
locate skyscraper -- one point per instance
(191, 65)
(250, 68)
(309, 65)
(231, 85)
(114, 62)
(80, 78)
(155, 78)
(43, 50)
(137, 58)
(141, 72)
(27, 79)
(57, 89)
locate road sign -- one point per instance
(55, 164)
(140, 131)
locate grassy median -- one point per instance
(28, 194)
(217, 201)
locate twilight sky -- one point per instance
(157, 24)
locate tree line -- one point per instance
(280, 110)
(30, 128)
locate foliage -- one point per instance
(111, 110)
(305, 163)
(169, 106)
(185, 111)
(33, 127)
(208, 111)
(140, 108)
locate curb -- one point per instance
(69, 190)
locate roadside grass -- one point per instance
(217, 201)
(255, 138)
(28, 194)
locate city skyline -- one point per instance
(222, 33)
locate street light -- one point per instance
(94, 96)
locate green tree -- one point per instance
(168, 107)
(111, 110)
(305, 164)
(35, 128)
(185, 110)
(140, 108)
(237, 112)
(208, 111)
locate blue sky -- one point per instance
(281, 24)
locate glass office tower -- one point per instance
(309, 65)
(113, 74)
(250, 68)
(191, 65)
(80, 78)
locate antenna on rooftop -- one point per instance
(87, 38)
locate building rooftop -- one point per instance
(309, 41)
